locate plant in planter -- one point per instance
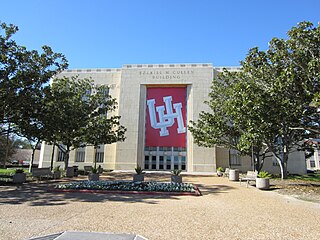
(56, 172)
(220, 171)
(139, 176)
(100, 169)
(263, 180)
(176, 177)
(19, 176)
(94, 175)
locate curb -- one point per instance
(197, 192)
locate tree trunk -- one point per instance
(32, 156)
(7, 148)
(66, 158)
(280, 164)
(256, 162)
(95, 157)
(285, 165)
(52, 155)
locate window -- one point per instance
(165, 158)
(312, 163)
(234, 158)
(183, 163)
(100, 154)
(61, 154)
(80, 154)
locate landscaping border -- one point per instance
(196, 193)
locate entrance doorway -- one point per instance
(165, 158)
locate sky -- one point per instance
(111, 33)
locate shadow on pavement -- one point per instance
(36, 194)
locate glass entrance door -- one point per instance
(165, 158)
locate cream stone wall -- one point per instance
(134, 81)
(110, 77)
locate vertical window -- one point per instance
(61, 154)
(100, 154)
(183, 163)
(234, 157)
(146, 162)
(154, 162)
(80, 154)
(168, 162)
(312, 163)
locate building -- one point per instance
(156, 103)
(23, 157)
(313, 162)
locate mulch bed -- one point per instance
(304, 190)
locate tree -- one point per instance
(218, 128)
(270, 100)
(23, 76)
(81, 115)
(103, 127)
(7, 148)
(22, 144)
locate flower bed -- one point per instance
(129, 186)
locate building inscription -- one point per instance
(167, 74)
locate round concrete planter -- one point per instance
(176, 179)
(19, 178)
(234, 174)
(70, 172)
(219, 173)
(263, 183)
(138, 178)
(56, 174)
(93, 177)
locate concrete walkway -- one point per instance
(225, 211)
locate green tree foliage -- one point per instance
(21, 144)
(81, 115)
(270, 103)
(23, 75)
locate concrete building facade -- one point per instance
(147, 90)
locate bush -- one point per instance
(176, 172)
(139, 170)
(220, 169)
(264, 174)
(19, 170)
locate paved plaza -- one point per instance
(225, 211)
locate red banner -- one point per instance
(166, 117)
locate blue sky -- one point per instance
(107, 34)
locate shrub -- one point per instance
(176, 172)
(56, 169)
(264, 174)
(220, 169)
(139, 170)
(19, 170)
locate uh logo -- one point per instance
(168, 119)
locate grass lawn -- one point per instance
(11, 170)
(6, 175)
(307, 177)
(6, 171)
